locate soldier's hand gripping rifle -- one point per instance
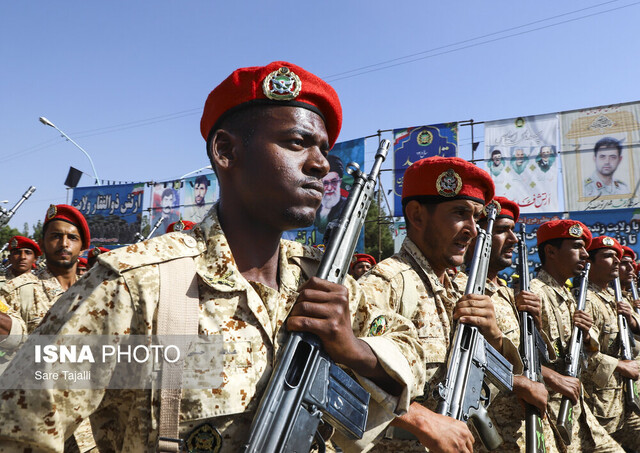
(472, 360)
(532, 350)
(573, 358)
(306, 386)
(627, 343)
(5, 215)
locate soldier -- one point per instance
(361, 264)
(268, 131)
(81, 268)
(627, 271)
(23, 253)
(441, 199)
(562, 251)
(603, 379)
(506, 410)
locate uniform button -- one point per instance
(189, 241)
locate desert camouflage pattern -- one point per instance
(408, 284)
(558, 306)
(119, 296)
(603, 386)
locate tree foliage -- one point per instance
(380, 246)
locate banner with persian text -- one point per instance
(114, 213)
(601, 157)
(521, 156)
(337, 184)
(415, 143)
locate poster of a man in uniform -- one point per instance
(600, 157)
(199, 194)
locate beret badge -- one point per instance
(496, 206)
(282, 85)
(94, 252)
(575, 231)
(179, 226)
(449, 183)
(14, 243)
(378, 326)
(52, 211)
(607, 241)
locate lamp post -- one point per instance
(208, 167)
(46, 122)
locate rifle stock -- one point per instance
(307, 387)
(572, 361)
(472, 360)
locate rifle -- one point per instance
(5, 215)
(139, 237)
(306, 386)
(627, 342)
(572, 359)
(634, 294)
(472, 358)
(532, 349)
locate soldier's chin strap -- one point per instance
(177, 316)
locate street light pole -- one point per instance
(46, 122)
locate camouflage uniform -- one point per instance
(604, 388)
(119, 296)
(409, 285)
(558, 306)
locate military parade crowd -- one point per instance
(393, 325)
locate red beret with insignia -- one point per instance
(21, 242)
(628, 251)
(563, 229)
(278, 83)
(82, 263)
(180, 225)
(359, 257)
(94, 252)
(606, 242)
(437, 179)
(507, 209)
(73, 216)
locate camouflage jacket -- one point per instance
(119, 297)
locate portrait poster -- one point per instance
(337, 184)
(113, 213)
(199, 193)
(415, 143)
(521, 157)
(601, 157)
(165, 205)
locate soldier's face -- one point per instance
(607, 161)
(359, 269)
(572, 256)
(605, 265)
(447, 232)
(626, 270)
(280, 170)
(21, 260)
(62, 244)
(503, 242)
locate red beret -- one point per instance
(628, 251)
(180, 225)
(508, 209)
(278, 83)
(73, 216)
(82, 263)
(358, 257)
(446, 178)
(94, 252)
(605, 242)
(563, 229)
(21, 242)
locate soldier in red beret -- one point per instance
(81, 268)
(628, 276)
(360, 264)
(506, 409)
(605, 374)
(93, 254)
(23, 253)
(268, 131)
(442, 198)
(180, 225)
(562, 248)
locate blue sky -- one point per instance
(127, 80)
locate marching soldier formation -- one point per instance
(231, 277)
